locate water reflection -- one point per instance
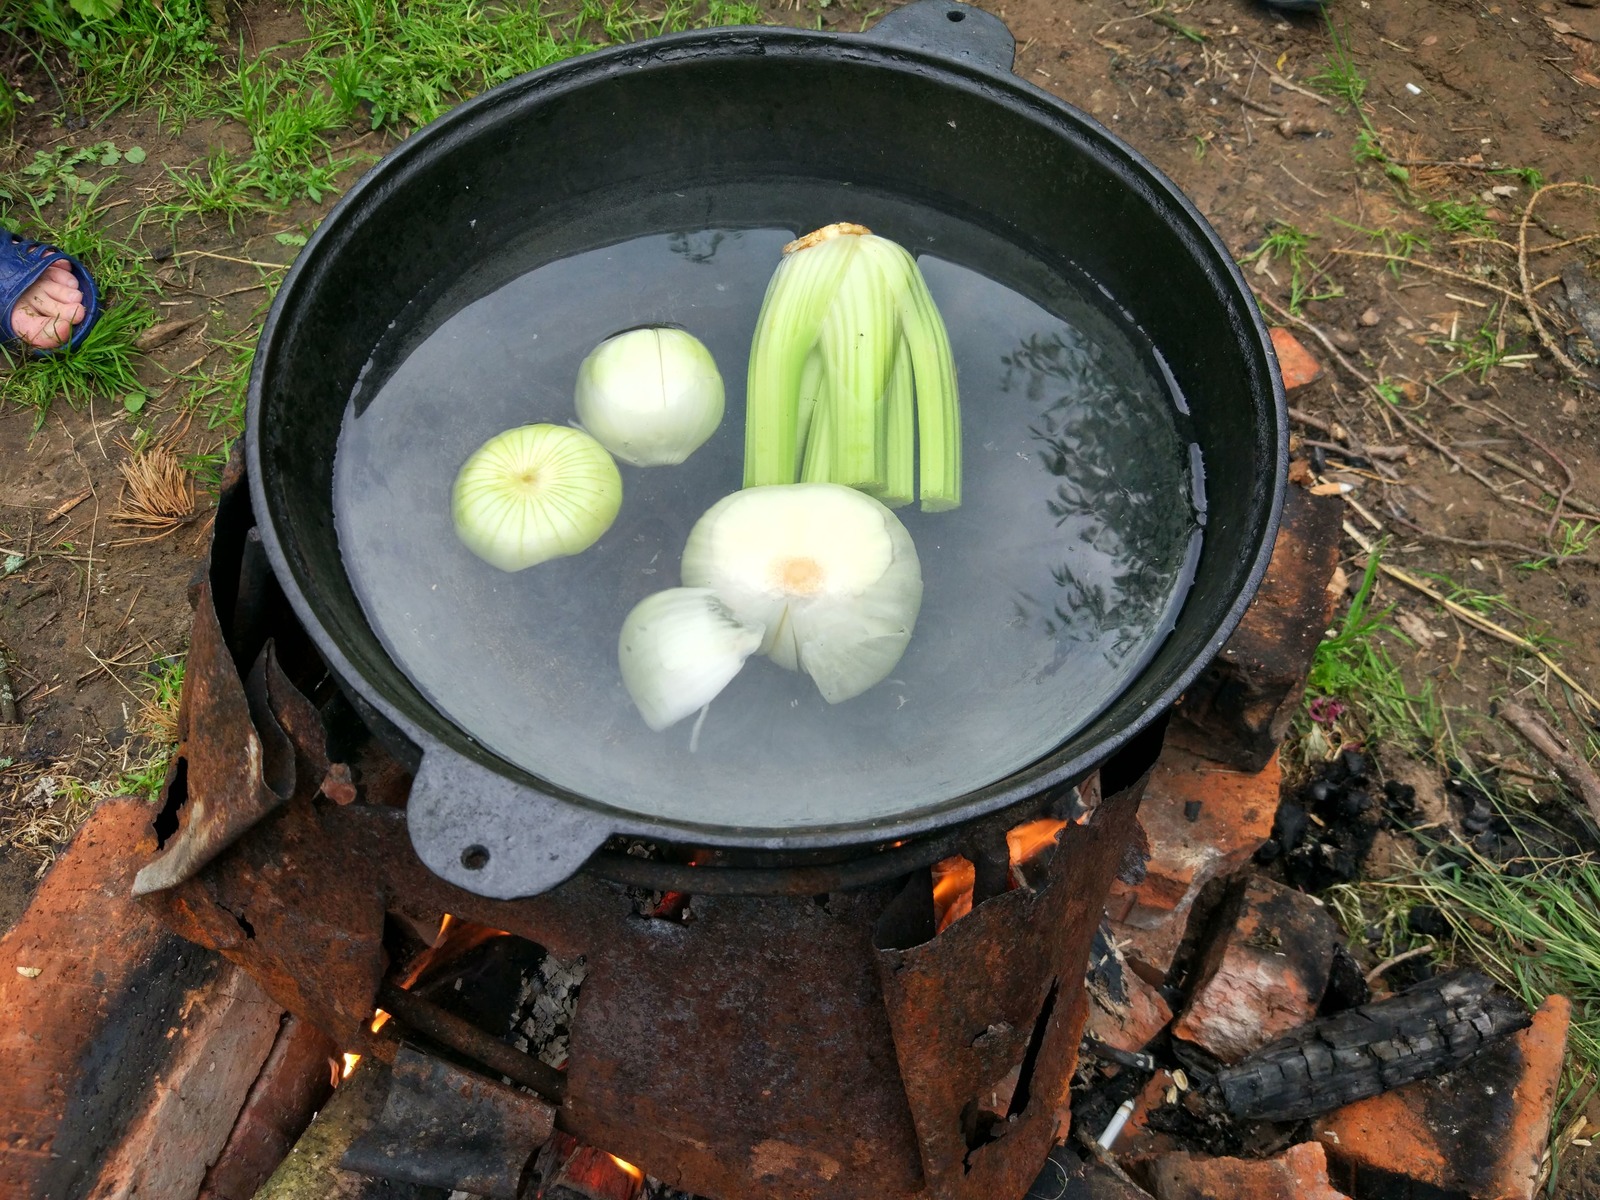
(698, 247)
(1112, 453)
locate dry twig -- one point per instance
(1527, 289)
(1574, 772)
(1476, 620)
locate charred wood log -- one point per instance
(1425, 1031)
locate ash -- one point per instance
(541, 1020)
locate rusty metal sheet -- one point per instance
(987, 1015)
(301, 912)
(445, 1127)
(222, 778)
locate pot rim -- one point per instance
(999, 85)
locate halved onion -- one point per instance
(829, 573)
(679, 649)
(534, 493)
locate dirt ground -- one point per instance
(1220, 95)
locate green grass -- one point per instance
(102, 366)
(1340, 77)
(157, 52)
(1354, 666)
(1289, 245)
(1478, 354)
(1457, 216)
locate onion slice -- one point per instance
(534, 493)
(830, 574)
(678, 649)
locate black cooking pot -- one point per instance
(924, 106)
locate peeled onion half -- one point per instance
(829, 573)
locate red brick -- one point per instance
(1131, 1025)
(125, 1053)
(1479, 1131)
(1301, 1173)
(1264, 973)
(1294, 361)
(1232, 817)
(296, 1080)
(1240, 708)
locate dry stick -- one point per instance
(1510, 294)
(1583, 507)
(1391, 410)
(1387, 964)
(1527, 292)
(1527, 552)
(1574, 772)
(1481, 623)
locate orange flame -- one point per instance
(1029, 838)
(350, 1061)
(632, 1171)
(379, 1020)
(455, 937)
(953, 881)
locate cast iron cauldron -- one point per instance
(924, 106)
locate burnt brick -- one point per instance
(1263, 975)
(1235, 816)
(1239, 710)
(1477, 1133)
(1301, 1173)
(126, 1053)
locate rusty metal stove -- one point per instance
(820, 1043)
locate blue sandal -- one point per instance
(23, 262)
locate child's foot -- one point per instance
(48, 312)
(47, 300)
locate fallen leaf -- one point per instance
(1340, 583)
(159, 335)
(30, 972)
(1416, 629)
(1588, 79)
(1566, 30)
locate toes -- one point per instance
(65, 294)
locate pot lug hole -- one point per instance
(952, 30)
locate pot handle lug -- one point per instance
(949, 29)
(491, 835)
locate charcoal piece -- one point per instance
(1337, 1060)
(1347, 985)
(1428, 921)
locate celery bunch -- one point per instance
(851, 376)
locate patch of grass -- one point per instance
(1354, 666)
(151, 51)
(222, 186)
(219, 399)
(1458, 216)
(156, 723)
(287, 107)
(1478, 354)
(101, 366)
(1535, 927)
(53, 172)
(1400, 243)
(1289, 244)
(410, 60)
(1340, 77)
(1572, 538)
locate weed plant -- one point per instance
(1354, 666)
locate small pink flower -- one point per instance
(1325, 710)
